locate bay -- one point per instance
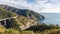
(51, 18)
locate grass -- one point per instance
(6, 14)
(21, 20)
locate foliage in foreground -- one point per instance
(53, 30)
(37, 29)
(13, 31)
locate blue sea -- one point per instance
(51, 18)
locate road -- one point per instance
(8, 18)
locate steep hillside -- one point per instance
(23, 21)
(25, 12)
(6, 14)
(14, 25)
(10, 19)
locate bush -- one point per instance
(11, 31)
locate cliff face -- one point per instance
(25, 12)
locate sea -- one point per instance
(51, 18)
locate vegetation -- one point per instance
(13, 31)
(47, 30)
(22, 20)
(6, 14)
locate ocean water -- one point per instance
(51, 18)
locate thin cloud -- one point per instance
(35, 5)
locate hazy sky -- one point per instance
(47, 6)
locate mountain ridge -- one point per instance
(24, 22)
(25, 12)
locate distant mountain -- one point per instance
(24, 12)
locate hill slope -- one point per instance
(24, 12)
(26, 22)
(21, 22)
(6, 14)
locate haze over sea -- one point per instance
(52, 18)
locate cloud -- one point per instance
(35, 5)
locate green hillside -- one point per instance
(24, 25)
(52, 30)
(6, 14)
(16, 23)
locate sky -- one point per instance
(40, 6)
